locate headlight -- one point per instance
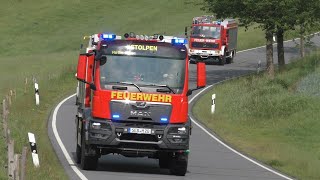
(96, 125)
(178, 130)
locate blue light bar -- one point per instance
(116, 116)
(164, 119)
(108, 36)
(179, 41)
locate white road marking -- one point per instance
(63, 148)
(225, 145)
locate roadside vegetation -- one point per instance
(41, 40)
(276, 121)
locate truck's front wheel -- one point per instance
(89, 158)
(164, 160)
(179, 165)
(222, 60)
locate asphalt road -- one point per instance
(209, 158)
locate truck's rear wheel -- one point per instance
(78, 148)
(78, 154)
(164, 160)
(229, 59)
(88, 162)
(179, 165)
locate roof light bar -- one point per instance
(108, 36)
(179, 41)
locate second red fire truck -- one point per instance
(133, 100)
(212, 41)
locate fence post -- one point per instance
(23, 163)
(259, 67)
(16, 167)
(4, 119)
(15, 93)
(213, 104)
(34, 152)
(25, 85)
(8, 97)
(11, 159)
(36, 88)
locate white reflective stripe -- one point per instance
(35, 159)
(32, 139)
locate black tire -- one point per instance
(229, 60)
(164, 160)
(179, 165)
(78, 154)
(87, 162)
(222, 60)
(78, 148)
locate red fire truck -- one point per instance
(212, 41)
(133, 100)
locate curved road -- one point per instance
(209, 157)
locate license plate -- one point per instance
(139, 131)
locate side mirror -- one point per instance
(189, 92)
(201, 77)
(93, 87)
(201, 74)
(81, 69)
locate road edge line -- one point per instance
(224, 144)
(61, 145)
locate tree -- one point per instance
(307, 18)
(284, 20)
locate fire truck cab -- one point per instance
(133, 100)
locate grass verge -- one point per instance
(26, 117)
(270, 119)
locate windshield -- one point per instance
(149, 74)
(206, 31)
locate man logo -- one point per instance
(140, 113)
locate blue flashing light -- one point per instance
(108, 36)
(164, 119)
(179, 41)
(115, 116)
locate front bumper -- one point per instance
(116, 135)
(204, 53)
(206, 56)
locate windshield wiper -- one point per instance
(127, 83)
(161, 85)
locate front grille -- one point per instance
(139, 137)
(139, 119)
(204, 45)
